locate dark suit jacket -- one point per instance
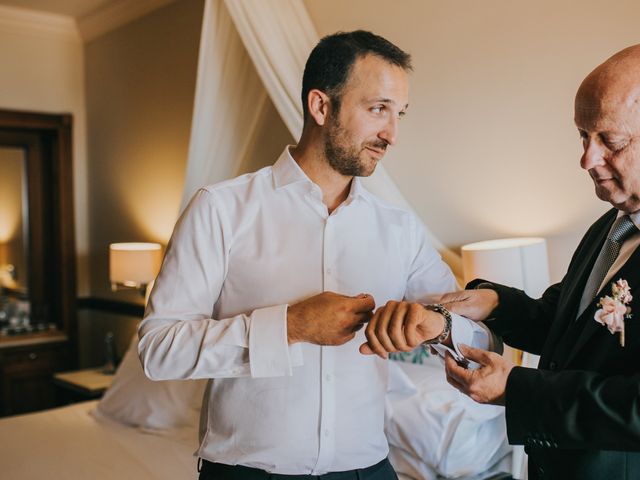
(578, 414)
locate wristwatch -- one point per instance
(439, 308)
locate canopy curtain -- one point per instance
(277, 36)
(228, 102)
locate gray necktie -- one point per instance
(622, 229)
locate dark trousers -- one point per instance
(219, 471)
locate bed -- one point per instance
(148, 430)
(71, 443)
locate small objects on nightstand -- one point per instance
(109, 354)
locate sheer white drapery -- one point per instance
(228, 102)
(277, 36)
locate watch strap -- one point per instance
(439, 308)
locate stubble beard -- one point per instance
(344, 156)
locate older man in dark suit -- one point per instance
(578, 414)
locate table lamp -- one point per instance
(133, 265)
(518, 262)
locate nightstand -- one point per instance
(81, 385)
(27, 365)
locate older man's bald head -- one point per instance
(616, 82)
(607, 114)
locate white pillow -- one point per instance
(133, 399)
(438, 431)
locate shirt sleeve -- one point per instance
(468, 332)
(429, 276)
(179, 338)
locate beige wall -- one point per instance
(140, 92)
(140, 89)
(42, 70)
(488, 148)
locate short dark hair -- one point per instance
(330, 62)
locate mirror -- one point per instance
(14, 221)
(37, 240)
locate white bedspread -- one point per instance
(432, 430)
(69, 443)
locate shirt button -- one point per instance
(552, 366)
(326, 432)
(328, 377)
(329, 271)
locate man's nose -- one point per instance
(390, 132)
(593, 156)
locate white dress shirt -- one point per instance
(245, 249)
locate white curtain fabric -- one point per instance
(228, 102)
(277, 36)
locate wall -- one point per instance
(488, 148)
(140, 88)
(41, 67)
(140, 81)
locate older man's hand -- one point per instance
(486, 384)
(400, 327)
(474, 304)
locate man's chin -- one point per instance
(368, 170)
(624, 203)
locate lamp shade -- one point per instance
(134, 264)
(517, 262)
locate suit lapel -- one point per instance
(575, 282)
(627, 271)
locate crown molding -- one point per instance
(114, 15)
(23, 20)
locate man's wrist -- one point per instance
(292, 331)
(484, 285)
(446, 330)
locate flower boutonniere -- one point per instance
(615, 309)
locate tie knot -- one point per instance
(622, 229)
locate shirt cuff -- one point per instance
(268, 344)
(473, 334)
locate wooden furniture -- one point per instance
(27, 364)
(84, 384)
(28, 360)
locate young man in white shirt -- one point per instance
(246, 297)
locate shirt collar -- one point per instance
(286, 171)
(357, 189)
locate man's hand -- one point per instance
(474, 304)
(328, 318)
(486, 384)
(400, 327)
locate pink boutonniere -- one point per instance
(614, 310)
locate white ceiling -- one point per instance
(74, 8)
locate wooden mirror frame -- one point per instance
(47, 142)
